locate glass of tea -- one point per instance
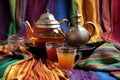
(14, 42)
(51, 49)
(66, 57)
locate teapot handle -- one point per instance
(93, 26)
(65, 20)
(59, 29)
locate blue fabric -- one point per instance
(61, 11)
(104, 76)
(81, 75)
(24, 7)
(51, 6)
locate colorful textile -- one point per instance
(31, 11)
(27, 67)
(105, 18)
(82, 75)
(102, 75)
(62, 11)
(32, 69)
(115, 21)
(104, 14)
(4, 63)
(18, 70)
(90, 12)
(4, 19)
(104, 58)
(39, 71)
(12, 27)
(13, 72)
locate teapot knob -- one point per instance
(92, 25)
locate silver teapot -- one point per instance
(79, 35)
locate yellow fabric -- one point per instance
(18, 69)
(32, 69)
(89, 11)
(42, 72)
(3, 51)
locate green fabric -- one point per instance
(18, 15)
(12, 27)
(2, 79)
(72, 11)
(105, 58)
(4, 65)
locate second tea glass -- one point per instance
(66, 57)
(51, 50)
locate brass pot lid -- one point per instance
(47, 19)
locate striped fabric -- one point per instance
(4, 63)
(18, 70)
(32, 69)
(27, 67)
(104, 58)
(104, 14)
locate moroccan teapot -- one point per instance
(79, 35)
(45, 29)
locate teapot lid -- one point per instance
(47, 19)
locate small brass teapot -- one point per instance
(47, 28)
(78, 35)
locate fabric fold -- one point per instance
(90, 12)
(105, 58)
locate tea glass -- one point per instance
(51, 50)
(66, 57)
(14, 42)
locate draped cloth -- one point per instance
(103, 13)
(30, 69)
(90, 12)
(82, 75)
(105, 58)
(26, 66)
(31, 11)
(115, 21)
(5, 62)
(6, 17)
(105, 19)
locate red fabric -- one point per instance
(34, 9)
(115, 34)
(106, 18)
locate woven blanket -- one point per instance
(105, 58)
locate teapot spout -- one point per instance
(28, 26)
(62, 32)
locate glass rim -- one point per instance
(66, 48)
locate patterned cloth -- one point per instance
(104, 58)
(26, 66)
(5, 62)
